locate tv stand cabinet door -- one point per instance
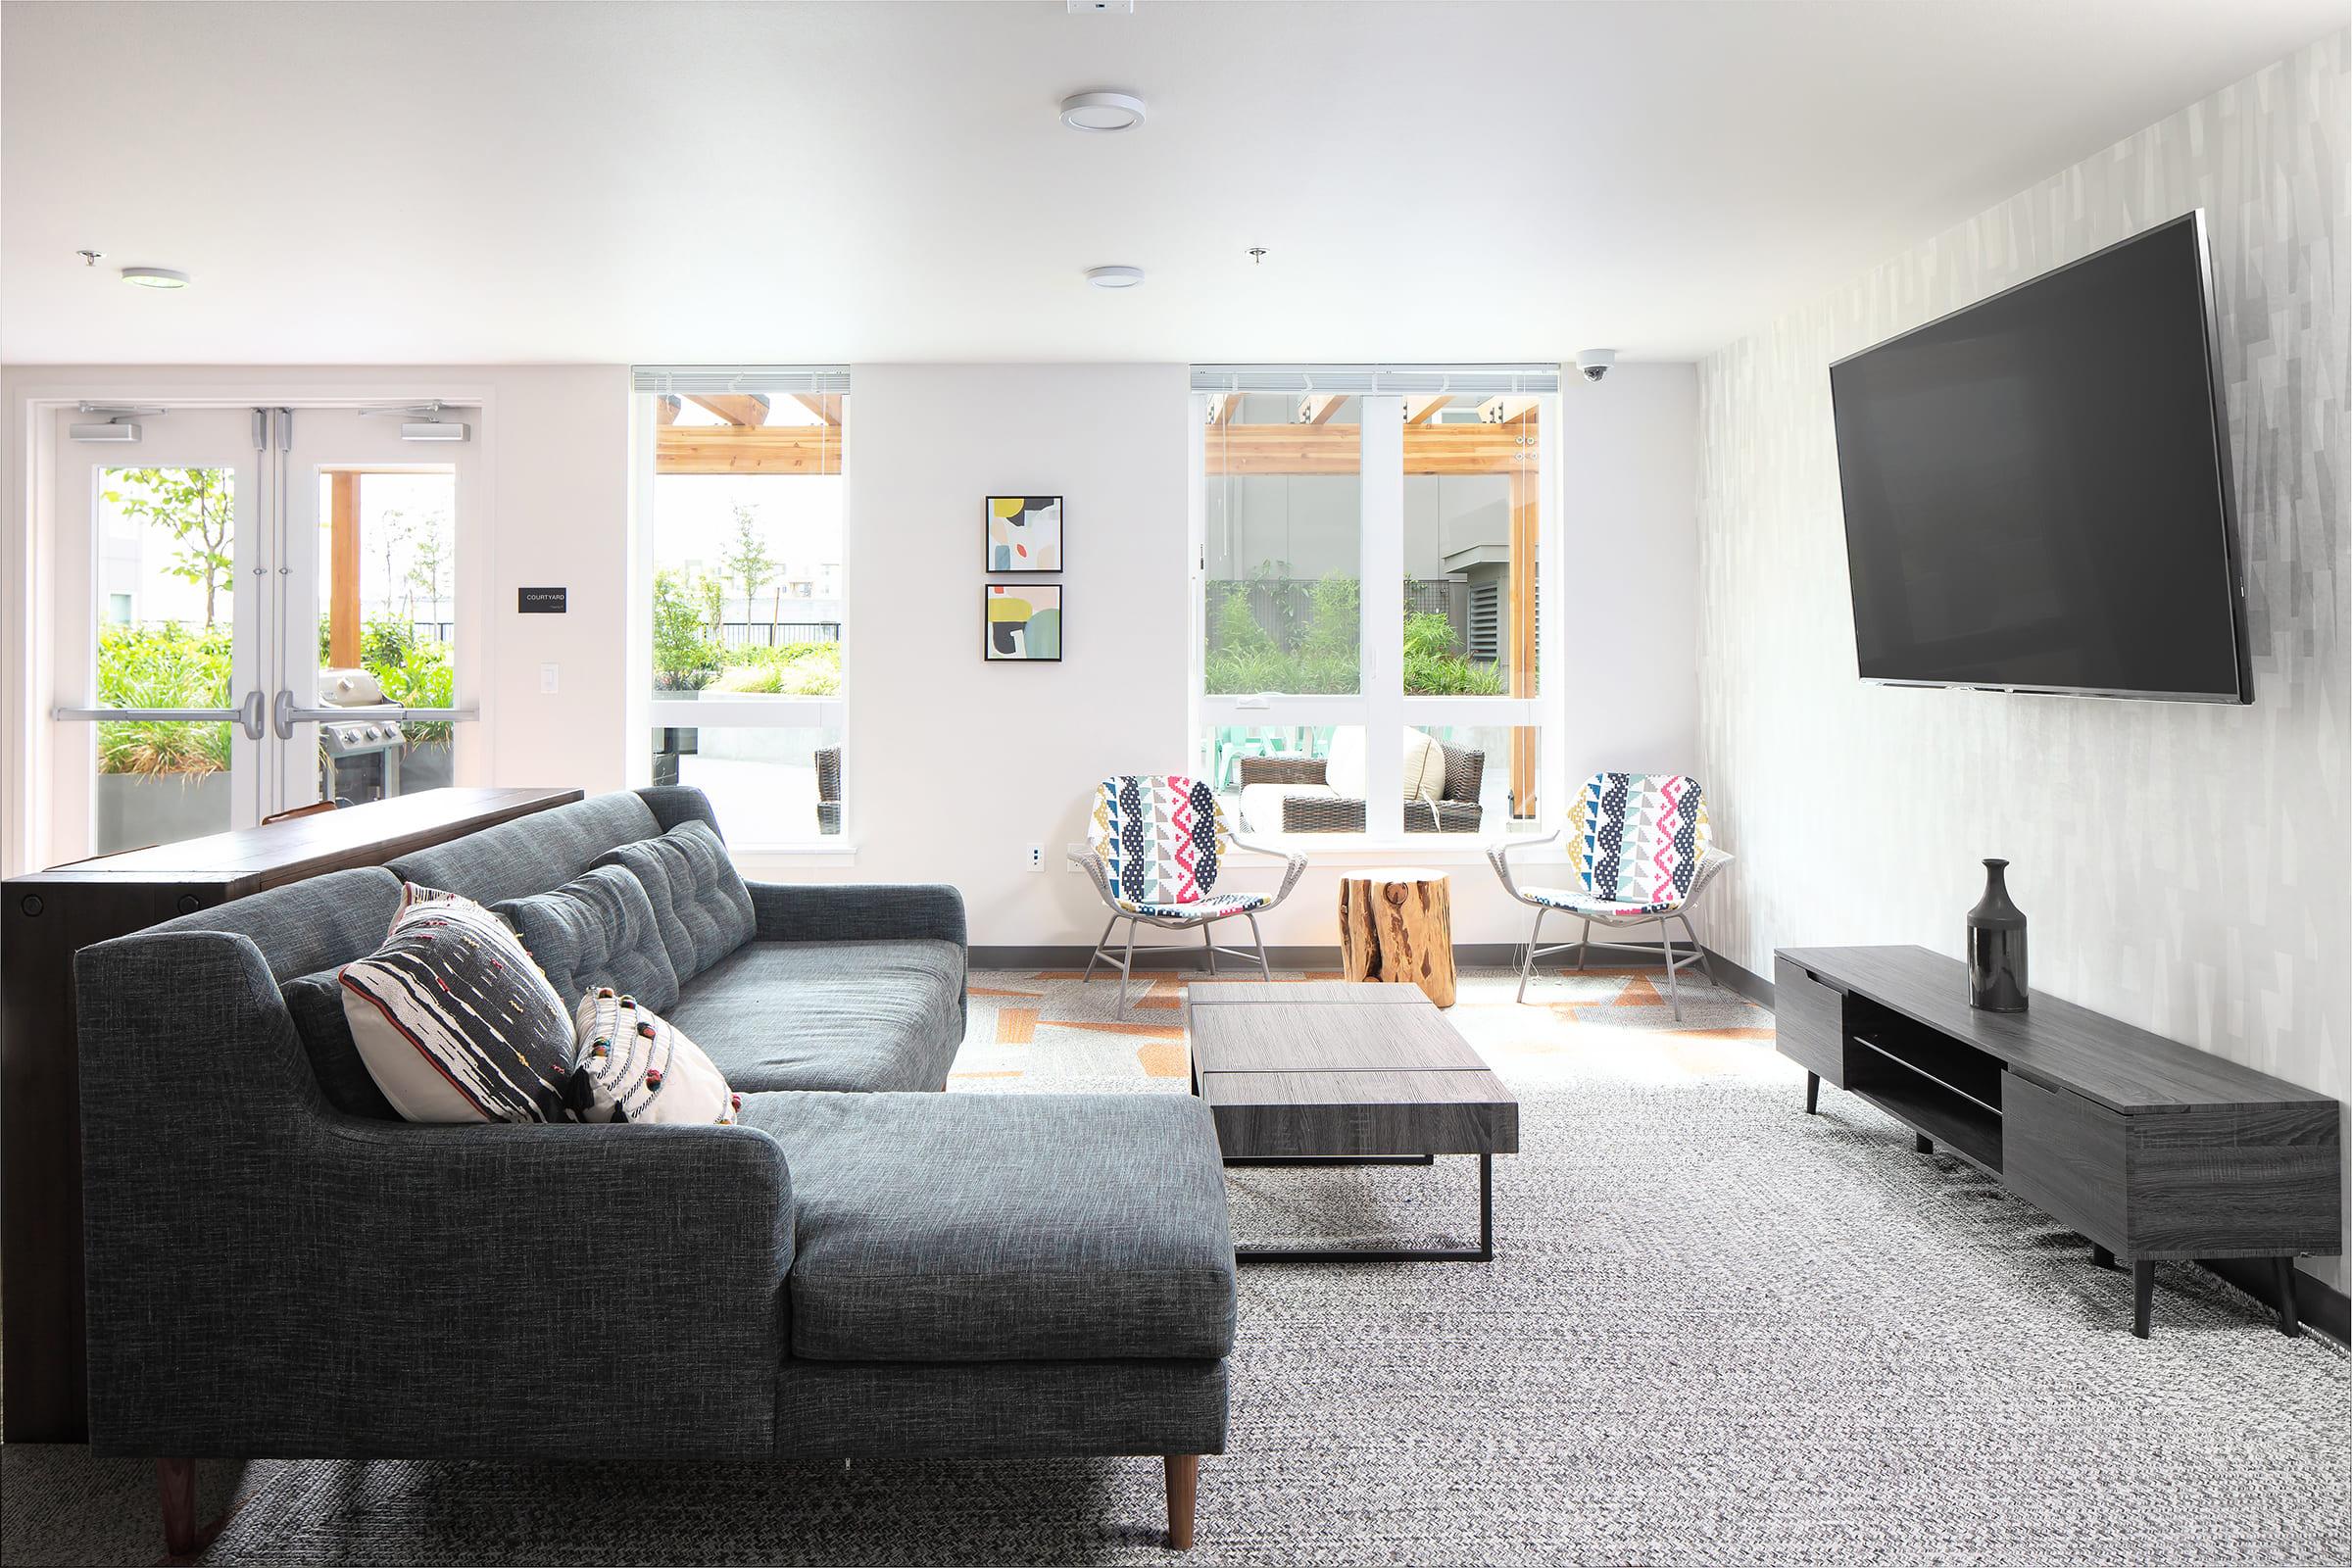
(1809, 1021)
(2068, 1157)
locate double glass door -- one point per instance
(257, 611)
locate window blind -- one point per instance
(718, 379)
(1489, 381)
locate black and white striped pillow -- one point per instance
(454, 1021)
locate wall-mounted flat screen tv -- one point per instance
(2038, 492)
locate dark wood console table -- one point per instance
(45, 918)
(2152, 1150)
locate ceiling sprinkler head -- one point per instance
(1258, 253)
(89, 258)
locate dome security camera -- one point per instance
(1595, 363)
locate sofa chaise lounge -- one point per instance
(865, 1267)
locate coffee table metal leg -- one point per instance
(1484, 1253)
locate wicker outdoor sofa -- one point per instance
(1455, 811)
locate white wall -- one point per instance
(1629, 451)
(953, 767)
(2185, 868)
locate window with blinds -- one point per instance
(1370, 539)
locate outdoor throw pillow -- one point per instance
(599, 929)
(700, 903)
(454, 1020)
(632, 1066)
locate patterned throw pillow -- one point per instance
(599, 929)
(454, 1020)
(700, 903)
(632, 1066)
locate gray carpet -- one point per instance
(1719, 1332)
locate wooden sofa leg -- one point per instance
(1183, 1488)
(176, 1483)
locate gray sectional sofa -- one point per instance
(866, 1267)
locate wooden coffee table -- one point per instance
(1328, 1073)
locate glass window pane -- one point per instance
(1284, 498)
(1483, 779)
(1288, 779)
(768, 784)
(166, 549)
(1471, 516)
(748, 546)
(386, 627)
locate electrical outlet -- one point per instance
(1037, 856)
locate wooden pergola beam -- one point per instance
(1420, 411)
(1223, 407)
(736, 408)
(665, 409)
(806, 449)
(1336, 449)
(826, 406)
(343, 571)
(1239, 448)
(1317, 408)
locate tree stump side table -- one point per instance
(1397, 928)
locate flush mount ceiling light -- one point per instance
(1114, 276)
(1101, 111)
(155, 277)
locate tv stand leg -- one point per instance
(1812, 1094)
(2143, 1292)
(1922, 1144)
(2101, 1257)
(2284, 1271)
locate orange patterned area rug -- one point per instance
(1049, 1029)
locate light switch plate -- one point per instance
(547, 680)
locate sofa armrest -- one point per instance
(856, 912)
(267, 1276)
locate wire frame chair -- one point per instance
(1640, 850)
(1154, 847)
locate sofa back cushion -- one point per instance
(531, 854)
(598, 930)
(306, 927)
(701, 906)
(316, 1002)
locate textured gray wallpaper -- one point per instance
(2187, 868)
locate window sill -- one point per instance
(756, 860)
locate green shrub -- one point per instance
(162, 666)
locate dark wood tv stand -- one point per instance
(2152, 1150)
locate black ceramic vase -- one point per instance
(1996, 947)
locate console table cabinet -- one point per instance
(2152, 1150)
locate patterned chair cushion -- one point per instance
(1158, 838)
(1596, 906)
(1635, 839)
(1213, 908)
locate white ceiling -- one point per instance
(493, 183)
